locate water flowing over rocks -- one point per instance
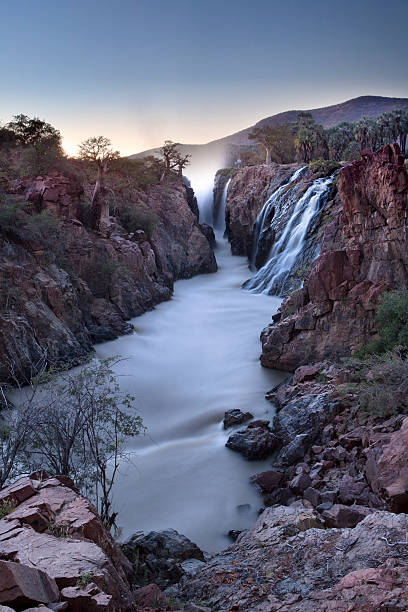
(64, 307)
(364, 253)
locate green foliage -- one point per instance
(32, 131)
(324, 167)
(381, 386)
(39, 158)
(6, 507)
(84, 579)
(352, 151)
(392, 318)
(13, 218)
(138, 217)
(277, 141)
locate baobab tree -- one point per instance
(98, 151)
(173, 158)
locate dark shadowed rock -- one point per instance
(20, 584)
(236, 417)
(345, 516)
(158, 556)
(255, 442)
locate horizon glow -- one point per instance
(141, 72)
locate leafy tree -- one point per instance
(338, 139)
(352, 151)
(74, 423)
(366, 133)
(277, 141)
(98, 151)
(40, 142)
(310, 138)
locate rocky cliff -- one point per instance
(57, 302)
(364, 253)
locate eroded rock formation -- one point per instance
(59, 304)
(364, 253)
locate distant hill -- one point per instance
(328, 116)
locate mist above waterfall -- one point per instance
(201, 172)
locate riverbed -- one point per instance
(187, 362)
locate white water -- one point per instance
(261, 224)
(188, 361)
(220, 220)
(285, 251)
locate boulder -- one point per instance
(149, 596)
(255, 442)
(159, 555)
(21, 584)
(236, 417)
(269, 480)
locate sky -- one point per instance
(142, 71)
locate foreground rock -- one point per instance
(161, 557)
(255, 442)
(289, 562)
(55, 547)
(364, 253)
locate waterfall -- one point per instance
(271, 278)
(263, 222)
(219, 221)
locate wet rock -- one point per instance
(255, 442)
(234, 533)
(21, 584)
(158, 556)
(236, 417)
(208, 232)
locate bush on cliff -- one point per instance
(138, 217)
(392, 319)
(324, 167)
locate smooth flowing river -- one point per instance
(189, 361)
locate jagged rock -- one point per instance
(255, 442)
(287, 561)
(158, 556)
(65, 307)
(66, 543)
(21, 584)
(364, 253)
(208, 232)
(236, 417)
(387, 471)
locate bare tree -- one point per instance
(98, 151)
(173, 158)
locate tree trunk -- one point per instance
(268, 156)
(99, 206)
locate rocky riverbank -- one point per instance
(57, 302)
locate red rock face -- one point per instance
(364, 253)
(66, 546)
(247, 194)
(61, 308)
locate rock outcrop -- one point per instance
(54, 548)
(364, 253)
(289, 562)
(58, 304)
(249, 189)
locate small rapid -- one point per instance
(288, 246)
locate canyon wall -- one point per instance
(364, 253)
(58, 304)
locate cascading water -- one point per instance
(263, 222)
(219, 222)
(272, 277)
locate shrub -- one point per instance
(325, 167)
(12, 218)
(381, 387)
(138, 217)
(392, 319)
(99, 274)
(352, 151)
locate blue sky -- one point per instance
(140, 71)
